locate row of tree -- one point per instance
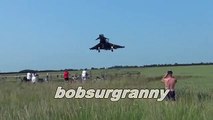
(158, 65)
(113, 67)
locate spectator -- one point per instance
(29, 76)
(169, 82)
(84, 74)
(34, 77)
(66, 75)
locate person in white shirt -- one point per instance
(29, 76)
(34, 78)
(84, 75)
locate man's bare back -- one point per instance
(169, 82)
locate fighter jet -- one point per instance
(105, 44)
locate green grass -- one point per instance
(25, 101)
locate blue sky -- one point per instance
(53, 34)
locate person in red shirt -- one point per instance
(66, 75)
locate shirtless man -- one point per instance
(169, 81)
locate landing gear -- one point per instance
(98, 49)
(112, 48)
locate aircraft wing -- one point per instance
(95, 47)
(117, 46)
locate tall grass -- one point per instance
(25, 101)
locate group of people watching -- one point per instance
(84, 75)
(169, 80)
(33, 77)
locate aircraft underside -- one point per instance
(105, 47)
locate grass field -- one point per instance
(26, 101)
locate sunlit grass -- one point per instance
(25, 101)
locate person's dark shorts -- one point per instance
(26, 80)
(66, 79)
(171, 95)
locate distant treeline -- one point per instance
(156, 65)
(113, 67)
(36, 71)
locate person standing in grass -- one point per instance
(34, 78)
(47, 77)
(66, 75)
(169, 82)
(29, 76)
(84, 74)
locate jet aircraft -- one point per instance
(105, 44)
